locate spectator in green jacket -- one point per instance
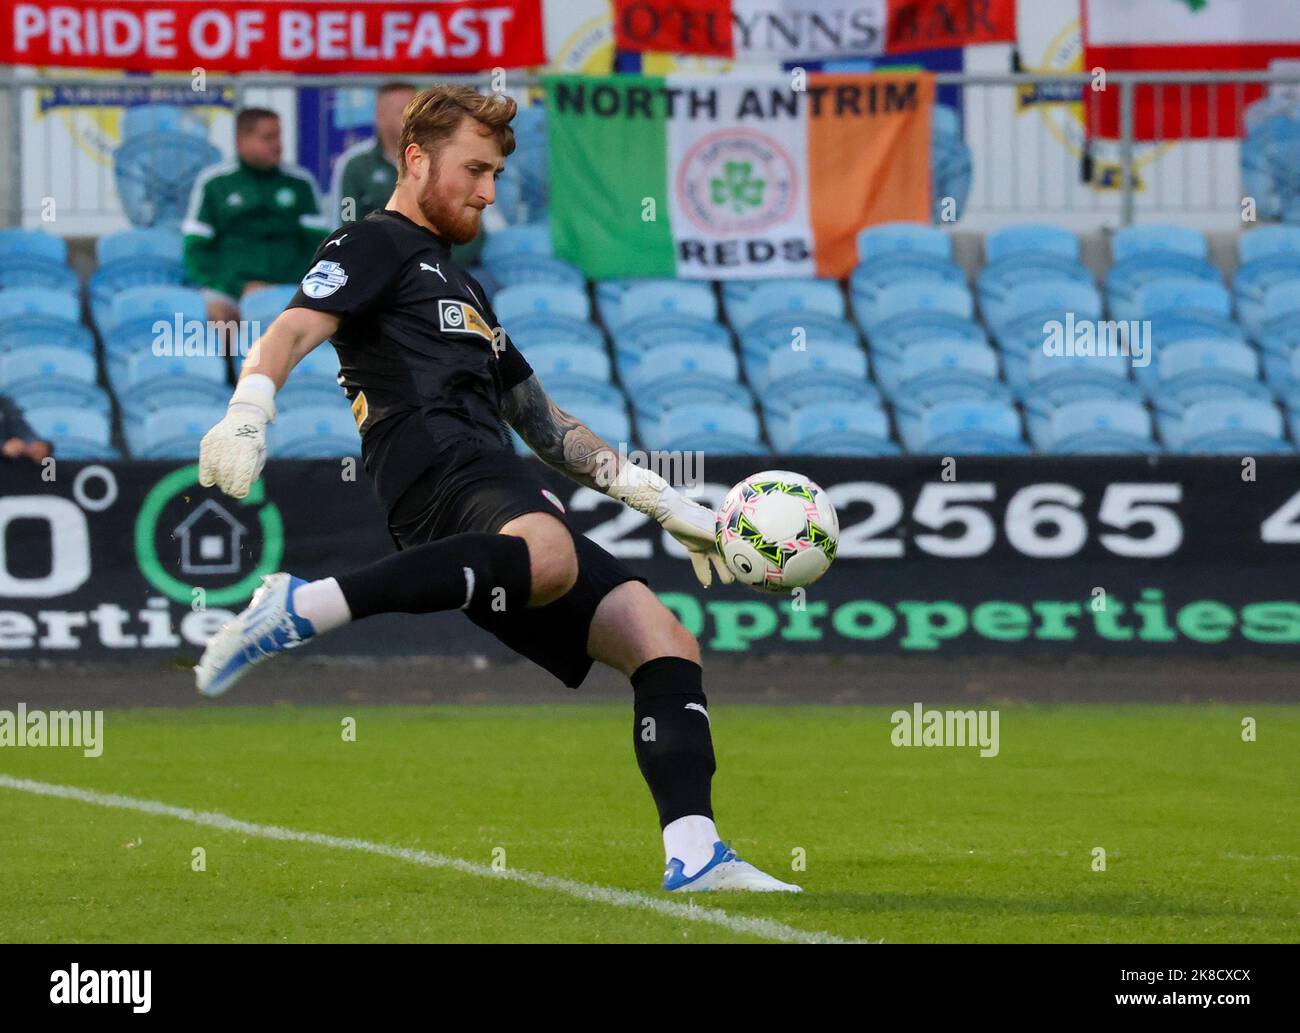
(251, 222)
(366, 173)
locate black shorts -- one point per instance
(477, 488)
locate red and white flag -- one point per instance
(1184, 36)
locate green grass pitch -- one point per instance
(1200, 829)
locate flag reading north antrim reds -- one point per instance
(714, 178)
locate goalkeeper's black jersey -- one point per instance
(422, 357)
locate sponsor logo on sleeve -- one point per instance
(323, 280)
(460, 317)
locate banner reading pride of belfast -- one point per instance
(710, 178)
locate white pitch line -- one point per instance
(761, 927)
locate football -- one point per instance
(777, 530)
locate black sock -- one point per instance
(462, 571)
(674, 749)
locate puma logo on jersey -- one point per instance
(335, 243)
(433, 269)
(696, 706)
(460, 317)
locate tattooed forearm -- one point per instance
(559, 439)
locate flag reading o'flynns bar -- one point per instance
(726, 178)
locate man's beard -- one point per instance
(450, 220)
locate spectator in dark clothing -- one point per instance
(17, 439)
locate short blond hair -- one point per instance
(434, 115)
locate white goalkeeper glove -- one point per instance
(690, 523)
(232, 453)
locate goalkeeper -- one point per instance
(431, 377)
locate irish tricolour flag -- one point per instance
(726, 178)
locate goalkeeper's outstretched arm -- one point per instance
(232, 453)
(564, 442)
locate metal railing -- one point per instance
(1030, 154)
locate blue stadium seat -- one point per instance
(70, 428)
(1171, 327)
(963, 428)
(155, 242)
(1196, 371)
(322, 432)
(1095, 426)
(1254, 279)
(176, 392)
(548, 299)
(61, 393)
(170, 432)
(791, 379)
(540, 329)
(609, 296)
(898, 333)
(37, 361)
(892, 237)
(517, 270)
(309, 393)
(139, 307)
(1181, 295)
(37, 316)
(25, 270)
(1226, 426)
(564, 359)
(1275, 310)
(1024, 308)
(576, 396)
(1030, 238)
(833, 428)
(928, 374)
(679, 367)
(163, 151)
(143, 367)
(528, 239)
(1056, 379)
(908, 298)
(32, 244)
(262, 306)
(871, 276)
(689, 427)
(809, 332)
(671, 328)
(1125, 279)
(643, 301)
(121, 274)
(1156, 237)
(784, 296)
(1268, 241)
(999, 277)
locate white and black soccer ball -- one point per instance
(776, 530)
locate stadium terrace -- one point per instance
(757, 103)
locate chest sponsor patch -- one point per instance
(460, 317)
(323, 280)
